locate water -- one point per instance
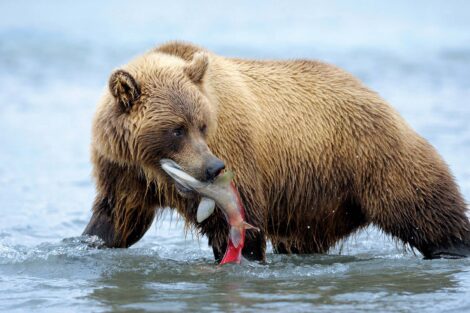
(55, 58)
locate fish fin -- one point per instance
(205, 209)
(235, 236)
(249, 226)
(225, 178)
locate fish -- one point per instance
(223, 192)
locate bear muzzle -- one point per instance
(213, 168)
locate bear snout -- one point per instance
(213, 168)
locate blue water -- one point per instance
(55, 58)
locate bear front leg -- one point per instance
(101, 223)
(118, 231)
(218, 247)
(124, 207)
(216, 229)
(255, 246)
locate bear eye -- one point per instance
(178, 132)
(203, 128)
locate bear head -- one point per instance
(155, 107)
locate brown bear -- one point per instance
(316, 154)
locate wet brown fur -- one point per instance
(316, 154)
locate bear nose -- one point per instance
(214, 168)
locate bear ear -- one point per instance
(124, 89)
(196, 69)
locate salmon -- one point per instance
(223, 192)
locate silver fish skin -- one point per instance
(220, 191)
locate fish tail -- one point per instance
(232, 254)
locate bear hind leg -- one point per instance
(431, 219)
